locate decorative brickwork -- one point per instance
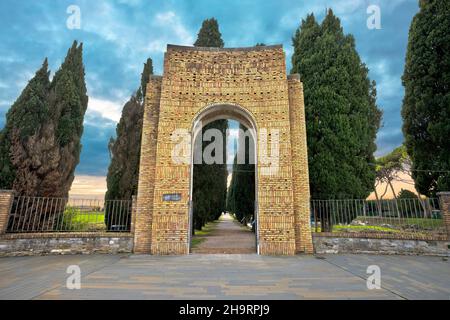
(146, 186)
(444, 198)
(6, 198)
(133, 213)
(253, 81)
(300, 175)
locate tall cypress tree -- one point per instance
(68, 102)
(210, 181)
(145, 77)
(40, 145)
(231, 199)
(123, 172)
(341, 114)
(23, 120)
(241, 194)
(68, 98)
(426, 105)
(209, 35)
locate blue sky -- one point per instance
(119, 35)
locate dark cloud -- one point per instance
(120, 35)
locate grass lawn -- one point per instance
(95, 217)
(196, 242)
(350, 228)
(421, 222)
(74, 220)
(391, 225)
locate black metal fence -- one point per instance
(38, 214)
(411, 218)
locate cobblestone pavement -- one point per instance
(224, 277)
(228, 236)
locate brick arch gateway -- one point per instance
(224, 111)
(250, 85)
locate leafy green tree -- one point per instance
(342, 117)
(210, 180)
(406, 194)
(123, 172)
(389, 166)
(426, 105)
(23, 120)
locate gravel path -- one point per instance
(229, 237)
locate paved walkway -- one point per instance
(228, 237)
(224, 277)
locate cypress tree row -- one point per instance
(210, 181)
(40, 144)
(426, 105)
(231, 199)
(342, 117)
(241, 193)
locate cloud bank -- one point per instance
(120, 35)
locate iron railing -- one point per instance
(38, 214)
(410, 218)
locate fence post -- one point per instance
(133, 213)
(6, 200)
(444, 199)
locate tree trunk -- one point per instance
(422, 203)
(198, 224)
(395, 198)
(378, 201)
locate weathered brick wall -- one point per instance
(300, 174)
(6, 198)
(144, 213)
(444, 198)
(194, 78)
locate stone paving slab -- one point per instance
(224, 277)
(412, 277)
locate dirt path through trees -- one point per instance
(228, 237)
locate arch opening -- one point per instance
(239, 214)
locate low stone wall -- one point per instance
(64, 243)
(327, 244)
